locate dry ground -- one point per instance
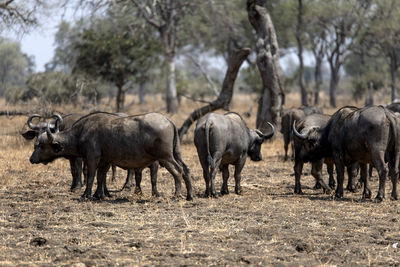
(42, 223)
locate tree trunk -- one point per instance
(299, 28)
(225, 96)
(318, 80)
(334, 64)
(172, 99)
(393, 76)
(267, 50)
(369, 100)
(119, 105)
(142, 93)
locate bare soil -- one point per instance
(42, 223)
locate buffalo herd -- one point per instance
(350, 139)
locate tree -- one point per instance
(116, 48)
(224, 99)
(341, 21)
(267, 49)
(382, 37)
(15, 66)
(164, 16)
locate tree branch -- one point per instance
(225, 96)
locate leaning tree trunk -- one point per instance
(225, 96)
(267, 49)
(299, 40)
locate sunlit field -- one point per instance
(42, 223)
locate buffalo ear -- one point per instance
(57, 147)
(29, 135)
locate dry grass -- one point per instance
(42, 223)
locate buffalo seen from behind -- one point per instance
(103, 139)
(222, 140)
(368, 136)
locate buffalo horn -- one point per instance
(56, 126)
(299, 135)
(272, 131)
(50, 136)
(30, 124)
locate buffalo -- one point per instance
(288, 117)
(222, 140)
(103, 139)
(63, 122)
(367, 135)
(305, 140)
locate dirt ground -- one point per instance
(42, 223)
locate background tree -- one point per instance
(15, 66)
(342, 21)
(165, 15)
(382, 35)
(117, 49)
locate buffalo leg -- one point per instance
(113, 172)
(138, 181)
(298, 168)
(316, 172)
(379, 164)
(352, 171)
(340, 176)
(153, 176)
(393, 173)
(238, 171)
(101, 181)
(225, 177)
(76, 171)
(364, 179)
(206, 175)
(371, 169)
(332, 182)
(186, 173)
(176, 171)
(91, 172)
(128, 181)
(286, 146)
(213, 172)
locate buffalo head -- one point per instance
(47, 147)
(257, 138)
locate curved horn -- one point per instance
(50, 136)
(30, 124)
(58, 122)
(298, 135)
(272, 131)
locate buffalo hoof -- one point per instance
(394, 197)
(298, 191)
(317, 186)
(224, 192)
(189, 197)
(332, 185)
(238, 191)
(352, 188)
(327, 191)
(98, 197)
(378, 199)
(339, 195)
(138, 191)
(75, 188)
(155, 194)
